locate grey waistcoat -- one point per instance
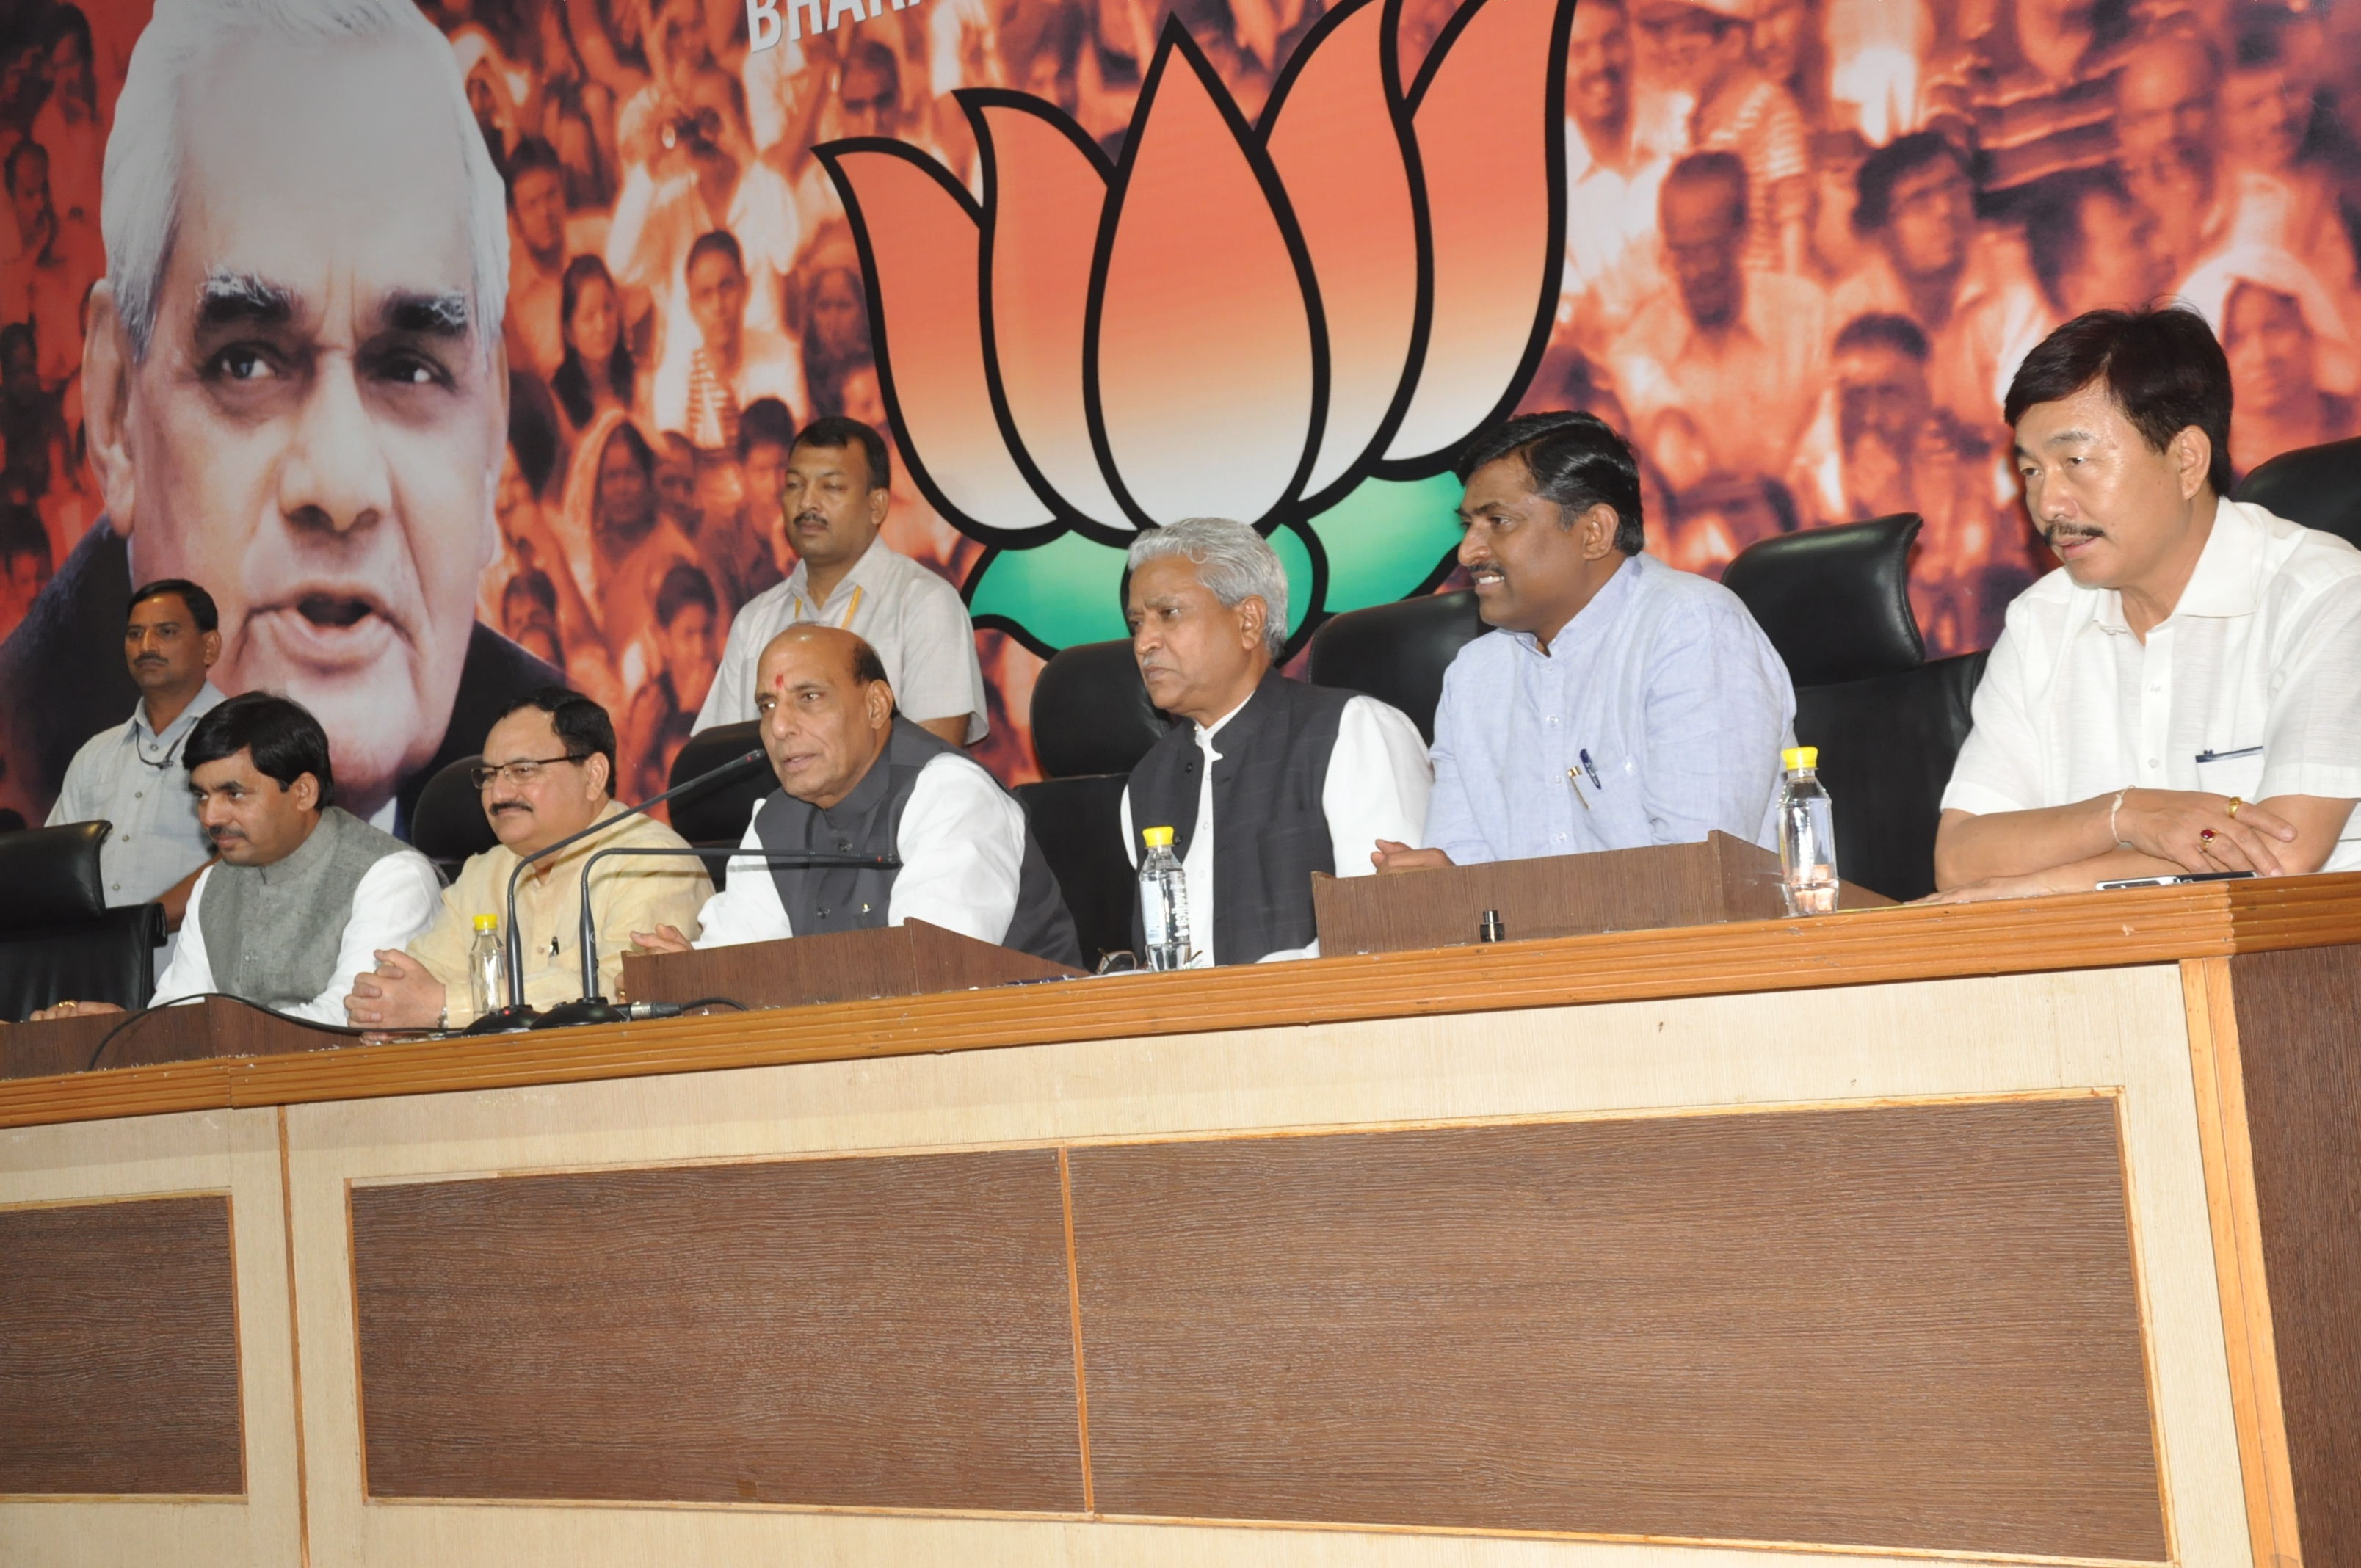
(271, 932)
(868, 821)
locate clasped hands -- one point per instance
(2191, 830)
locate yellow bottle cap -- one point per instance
(1157, 837)
(1795, 757)
(488, 922)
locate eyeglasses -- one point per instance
(520, 773)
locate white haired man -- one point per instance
(1271, 779)
(295, 388)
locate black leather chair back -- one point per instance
(1091, 712)
(1886, 748)
(719, 813)
(448, 824)
(1397, 652)
(1078, 823)
(2319, 486)
(58, 938)
(1834, 601)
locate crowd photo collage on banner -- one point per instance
(1089, 266)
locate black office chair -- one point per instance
(1093, 721)
(448, 824)
(2319, 486)
(1835, 603)
(1397, 652)
(718, 814)
(58, 938)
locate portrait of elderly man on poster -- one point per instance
(294, 391)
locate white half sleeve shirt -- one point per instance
(396, 900)
(2250, 687)
(961, 844)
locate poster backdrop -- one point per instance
(1095, 264)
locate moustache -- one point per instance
(499, 806)
(810, 519)
(226, 834)
(156, 659)
(2058, 530)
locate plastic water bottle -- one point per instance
(1807, 834)
(1163, 902)
(488, 968)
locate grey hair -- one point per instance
(1233, 561)
(140, 201)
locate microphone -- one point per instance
(594, 1008)
(516, 1015)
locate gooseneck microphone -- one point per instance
(516, 1015)
(594, 1008)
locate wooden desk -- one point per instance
(2017, 1231)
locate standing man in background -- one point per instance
(833, 498)
(134, 774)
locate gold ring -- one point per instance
(2234, 804)
(2205, 837)
(71, 1007)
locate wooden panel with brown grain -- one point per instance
(1907, 1327)
(118, 1349)
(888, 1331)
(2299, 1018)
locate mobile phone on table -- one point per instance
(2174, 880)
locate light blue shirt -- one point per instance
(134, 777)
(1664, 679)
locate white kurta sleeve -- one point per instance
(1999, 766)
(396, 900)
(962, 848)
(190, 972)
(748, 910)
(1378, 784)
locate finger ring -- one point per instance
(2205, 836)
(2234, 804)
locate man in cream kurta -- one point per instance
(545, 773)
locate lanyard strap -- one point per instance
(850, 611)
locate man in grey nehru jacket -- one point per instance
(305, 893)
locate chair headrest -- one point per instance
(448, 822)
(1834, 601)
(52, 876)
(1398, 652)
(2319, 486)
(1092, 713)
(718, 812)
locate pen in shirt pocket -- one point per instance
(1574, 777)
(1592, 769)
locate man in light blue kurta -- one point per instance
(1618, 702)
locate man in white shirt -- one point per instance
(304, 893)
(2183, 696)
(132, 775)
(833, 503)
(1270, 779)
(856, 780)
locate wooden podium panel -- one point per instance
(136, 1299)
(1719, 880)
(152, 1036)
(910, 959)
(877, 1332)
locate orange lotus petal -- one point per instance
(1333, 139)
(1492, 148)
(1043, 197)
(1206, 370)
(919, 243)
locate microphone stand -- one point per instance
(594, 1008)
(516, 1015)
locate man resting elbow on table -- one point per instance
(2183, 696)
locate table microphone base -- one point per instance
(588, 1010)
(507, 1021)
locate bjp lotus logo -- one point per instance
(1293, 321)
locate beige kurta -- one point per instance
(627, 893)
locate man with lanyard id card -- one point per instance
(831, 505)
(132, 775)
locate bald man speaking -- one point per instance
(856, 779)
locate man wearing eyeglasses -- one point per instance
(548, 771)
(134, 774)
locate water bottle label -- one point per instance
(1151, 913)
